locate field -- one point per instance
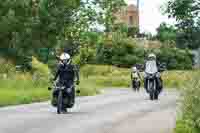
(23, 88)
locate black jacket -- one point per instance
(66, 73)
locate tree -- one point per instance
(85, 18)
(187, 14)
(107, 10)
(133, 31)
(183, 9)
(166, 33)
(30, 24)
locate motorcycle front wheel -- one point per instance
(151, 95)
(60, 103)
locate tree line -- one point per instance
(27, 26)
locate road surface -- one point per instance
(116, 111)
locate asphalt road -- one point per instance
(116, 111)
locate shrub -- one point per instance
(86, 55)
(174, 58)
(183, 127)
(6, 67)
(119, 51)
(190, 115)
(39, 68)
(124, 52)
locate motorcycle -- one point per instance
(62, 97)
(136, 84)
(152, 86)
(152, 74)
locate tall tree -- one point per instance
(166, 33)
(187, 14)
(30, 24)
(107, 8)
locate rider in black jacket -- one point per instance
(66, 74)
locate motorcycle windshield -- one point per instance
(151, 67)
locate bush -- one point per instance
(86, 55)
(119, 52)
(190, 115)
(183, 127)
(6, 67)
(174, 58)
(40, 71)
(24, 87)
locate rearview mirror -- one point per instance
(78, 91)
(49, 88)
(163, 67)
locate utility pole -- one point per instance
(138, 4)
(138, 8)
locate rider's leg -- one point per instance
(160, 84)
(139, 84)
(72, 95)
(132, 83)
(145, 84)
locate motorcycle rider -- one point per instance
(66, 74)
(153, 65)
(135, 74)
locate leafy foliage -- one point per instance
(187, 14)
(124, 52)
(166, 33)
(190, 121)
(107, 9)
(30, 24)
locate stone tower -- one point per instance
(128, 15)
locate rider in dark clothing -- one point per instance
(66, 74)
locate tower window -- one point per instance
(130, 20)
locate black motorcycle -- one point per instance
(62, 97)
(136, 84)
(152, 86)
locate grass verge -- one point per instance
(23, 89)
(189, 115)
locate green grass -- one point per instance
(189, 115)
(21, 89)
(183, 127)
(22, 92)
(176, 79)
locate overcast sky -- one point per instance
(150, 14)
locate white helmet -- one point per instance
(65, 58)
(152, 56)
(134, 69)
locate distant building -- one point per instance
(128, 15)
